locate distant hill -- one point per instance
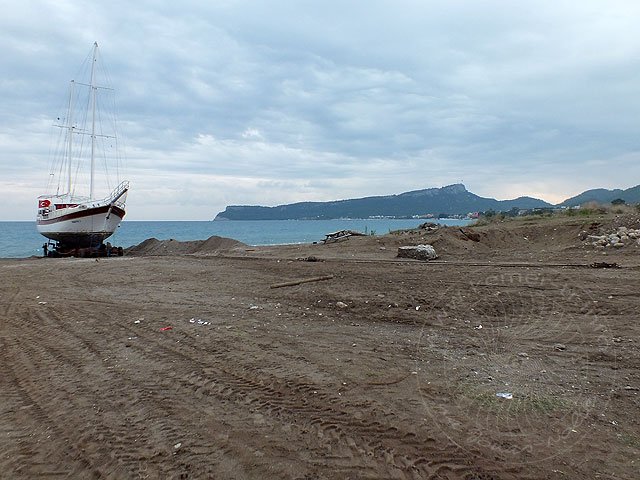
(602, 195)
(452, 199)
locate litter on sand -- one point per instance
(164, 329)
(505, 395)
(198, 321)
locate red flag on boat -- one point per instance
(43, 203)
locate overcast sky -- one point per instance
(226, 102)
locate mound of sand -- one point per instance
(523, 239)
(211, 246)
(524, 235)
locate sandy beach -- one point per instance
(514, 355)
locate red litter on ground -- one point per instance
(164, 329)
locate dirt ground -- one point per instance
(183, 360)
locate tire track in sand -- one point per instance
(136, 442)
(32, 443)
(369, 445)
(366, 447)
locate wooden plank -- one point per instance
(306, 280)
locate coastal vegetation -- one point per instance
(590, 209)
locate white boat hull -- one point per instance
(81, 225)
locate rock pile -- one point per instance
(418, 252)
(621, 237)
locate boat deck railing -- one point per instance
(117, 194)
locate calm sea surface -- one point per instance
(21, 239)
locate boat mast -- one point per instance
(93, 119)
(70, 120)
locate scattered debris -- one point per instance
(560, 347)
(604, 265)
(340, 235)
(429, 226)
(341, 305)
(164, 329)
(310, 258)
(199, 321)
(505, 395)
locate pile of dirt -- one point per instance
(211, 246)
(561, 237)
(526, 236)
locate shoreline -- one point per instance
(22, 240)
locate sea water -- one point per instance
(21, 239)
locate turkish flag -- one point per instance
(43, 203)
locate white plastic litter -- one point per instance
(199, 321)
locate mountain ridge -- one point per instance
(603, 195)
(451, 199)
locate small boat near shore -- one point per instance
(84, 206)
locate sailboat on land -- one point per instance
(84, 206)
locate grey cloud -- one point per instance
(271, 102)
